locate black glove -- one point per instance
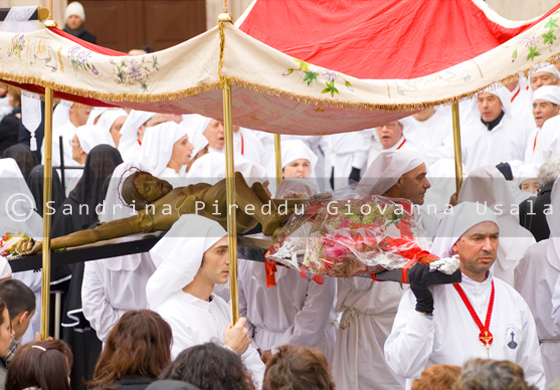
(505, 169)
(418, 278)
(355, 175)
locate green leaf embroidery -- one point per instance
(330, 88)
(514, 56)
(549, 37)
(551, 23)
(302, 64)
(288, 72)
(310, 77)
(532, 53)
(349, 86)
(155, 63)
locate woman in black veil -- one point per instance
(25, 158)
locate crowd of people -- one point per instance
(161, 319)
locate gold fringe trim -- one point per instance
(110, 97)
(214, 86)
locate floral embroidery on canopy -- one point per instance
(17, 45)
(310, 77)
(131, 71)
(80, 59)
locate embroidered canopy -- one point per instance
(301, 67)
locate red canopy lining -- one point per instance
(380, 39)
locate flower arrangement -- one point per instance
(350, 237)
(9, 241)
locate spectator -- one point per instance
(6, 334)
(492, 375)
(9, 125)
(75, 16)
(211, 367)
(137, 350)
(437, 377)
(41, 364)
(298, 368)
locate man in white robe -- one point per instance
(427, 130)
(495, 137)
(391, 137)
(368, 307)
(535, 279)
(347, 155)
(434, 325)
(488, 186)
(546, 105)
(191, 258)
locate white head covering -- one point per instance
(554, 221)
(197, 123)
(502, 93)
(289, 187)
(526, 171)
(61, 114)
(75, 8)
(157, 146)
(386, 169)
(129, 130)
(90, 136)
(211, 168)
(549, 93)
(291, 150)
(487, 185)
(94, 114)
(109, 117)
(178, 255)
(17, 205)
(441, 175)
(546, 67)
(464, 216)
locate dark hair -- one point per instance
(17, 296)
(2, 307)
(42, 364)
(130, 193)
(210, 367)
(437, 377)
(492, 375)
(146, 48)
(297, 368)
(138, 345)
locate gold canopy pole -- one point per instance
(47, 194)
(230, 179)
(47, 191)
(278, 155)
(457, 146)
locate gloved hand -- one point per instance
(418, 278)
(355, 175)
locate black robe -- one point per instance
(531, 213)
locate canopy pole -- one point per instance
(457, 146)
(230, 194)
(278, 155)
(47, 192)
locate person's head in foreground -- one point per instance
(297, 368)
(139, 345)
(396, 174)
(437, 377)
(489, 374)
(6, 331)
(472, 233)
(41, 364)
(210, 367)
(20, 301)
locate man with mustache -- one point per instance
(481, 317)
